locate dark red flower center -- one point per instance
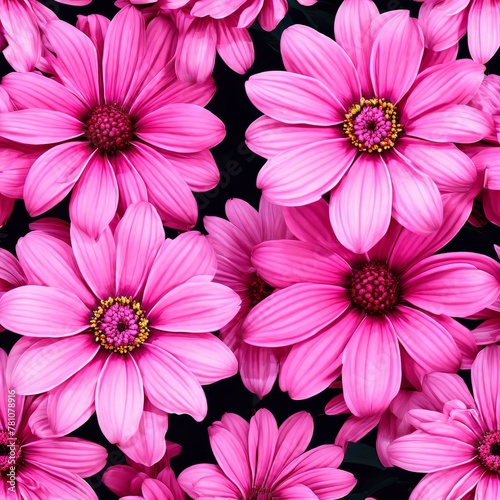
(109, 128)
(372, 125)
(489, 451)
(119, 324)
(10, 451)
(259, 290)
(374, 288)
(261, 494)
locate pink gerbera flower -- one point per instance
(358, 118)
(356, 315)
(234, 242)
(258, 461)
(122, 321)
(458, 445)
(445, 22)
(148, 483)
(34, 468)
(121, 127)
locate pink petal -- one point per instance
(485, 384)
(65, 412)
(166, 189)
(196, 51)
(416, 202)
(48, 261)
(288, 179)
(71, 454)
(121, 58)
(41, 311)
(372, 367)
(50, 362)
(420, 452)
(179, 127)
(188, 256)
(206, 356)
(433, 348)
(355, 428)
(295, 492)
(169, 385)
(488, 487)
(153, 489)
(268, 137)
(310, 53)
(130, 184)
(271, 14)
(195, 307)
(53, 226)
(75, 62)
(483, 29)
(53, 175)
(207, 479)
(455, 82)
(487, 332)
(218, 9)
(88, 251)
(452, 123)
(39, 126)
(119, 397)
(95, 197)
(360, 207)
(293, 98)
(394, 65)
(136, 250)
(235, 47)
(33, 90)
(293, 314)
(118, 479)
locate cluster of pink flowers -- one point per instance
(379, 146)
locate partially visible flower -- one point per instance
(31, 467)
(119, 127)
(359, 119)
(123, 321)
(445, 22)
(145, 482)
(458, 446)
(259, 461)
(356, 315)
(234, 242)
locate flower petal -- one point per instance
(235, 47)
(483, 29)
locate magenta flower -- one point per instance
(358, 118)
(356, 315)
(458, 445)
(234, 242)
(149, 483)
(121, 127)
(122, 321)
(31, 467)
(445, 22)
(259, 461)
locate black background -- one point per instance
(239, 168)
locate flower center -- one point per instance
(119, 324)
(259, 290)
(10, 451)
(489, 451)
(109, 128)
(374, 288)
(261, 494)
(372, 125)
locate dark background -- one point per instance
(239, 168)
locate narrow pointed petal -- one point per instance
(119, 398)
(258, 367)
(372, 367)
(361, 206)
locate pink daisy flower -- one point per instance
(356, 315)
(149, 483)
(260, 461)
(358, 118)
(234, 242)
(21, 27)
(445, 22)
(33, 468)
(458, 445)
(120, 126)
(124, 322)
